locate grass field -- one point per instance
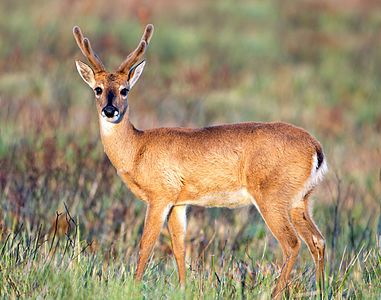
(69, 228)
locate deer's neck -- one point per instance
(120, 142)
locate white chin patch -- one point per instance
(114, 119)
(107, 125)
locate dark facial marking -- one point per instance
(110, 97)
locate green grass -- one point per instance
(66, 267)
(209, 62)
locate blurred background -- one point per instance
(314, 63)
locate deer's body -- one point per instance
(186, 166)
(274, 166)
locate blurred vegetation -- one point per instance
(313, 63)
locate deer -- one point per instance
(274, 166)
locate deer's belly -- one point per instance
(229, 199)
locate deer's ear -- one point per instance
(86, 73)
(135, 73)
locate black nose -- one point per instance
(110, 111)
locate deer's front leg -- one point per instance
(155, 218)
(177, 226)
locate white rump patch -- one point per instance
(315, 178)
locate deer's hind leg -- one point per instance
(276, 215)
(309, 232)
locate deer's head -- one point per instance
(111, 89)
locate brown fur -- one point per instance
(266, 164)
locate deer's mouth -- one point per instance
(111, 114)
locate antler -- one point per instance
(134, 56)
(85, 46)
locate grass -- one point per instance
(316, 66)
(66, 267)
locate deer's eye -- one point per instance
(123, 92)
(98, 91)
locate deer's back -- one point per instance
(224, 159)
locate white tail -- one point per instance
(274, 166)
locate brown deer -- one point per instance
(274, 166)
